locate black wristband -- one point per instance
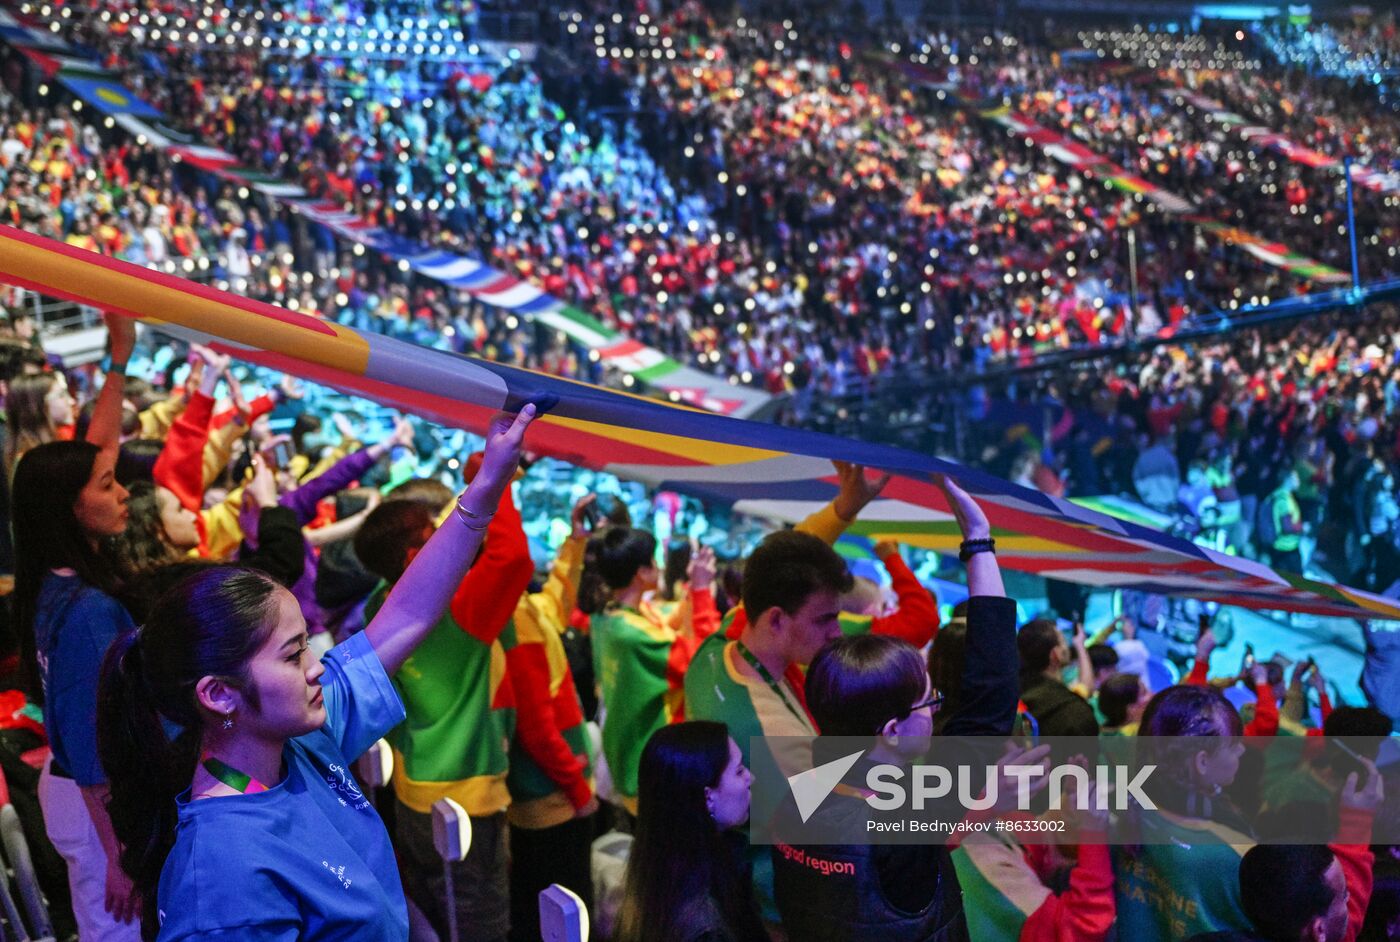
(971, 548)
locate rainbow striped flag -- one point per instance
(778, 473)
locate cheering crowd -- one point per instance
(687, 172)
(216, 620)
(225, 595)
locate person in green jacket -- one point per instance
(641, 646)
(1286, 551)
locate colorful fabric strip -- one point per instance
(779, 473)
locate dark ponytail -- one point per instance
(610, 563)
(133, 747)
(210, 624)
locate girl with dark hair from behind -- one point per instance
(249, 825)
(945, 666)
(66, 503)
(641, 646)
(1195, 838)
(677, 565)
(686, 877)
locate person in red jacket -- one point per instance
(553, 805)
(1266, 712)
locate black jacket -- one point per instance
(903, 891)
(281, 551)
(1059, 711)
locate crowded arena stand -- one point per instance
(473, 469)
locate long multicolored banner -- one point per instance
(1376, 180)
(1084, 159)
(492, 286)
(1272, 253)
(1069, 151)
(770, 471)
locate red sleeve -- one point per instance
(535, 724)
(704, 614)
(489, 592)
(704, 621)
(1324, 705)
(180, 466)
(738, 621)
(1265, 722)
(1197, 677)
(258, 407)
(916, 621)
(1085, 911)
(1353, 852)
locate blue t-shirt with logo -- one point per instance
(308, 859)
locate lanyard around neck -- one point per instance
(772, 683)
(239, 781)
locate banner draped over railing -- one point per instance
(1361, 175)
(1075, 154)
(778, 473)
(1069, 151)
(102, 89)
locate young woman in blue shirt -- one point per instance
(249, 824)
(67, 503)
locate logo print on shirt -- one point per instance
(338, 873)
(347, 790)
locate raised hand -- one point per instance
(1319, 681)
(195, 378)
(214, 361)
(702, 568)
(260, 493)
(343, 426)
(972, 521)
(1008, 785)
(1367, 797)
(291, 387)
(235, 393)
(121, 336)
(1205, 644)
(579, 518)
(403, 433)
(498, 464)
(856, 490)
(263, 484)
